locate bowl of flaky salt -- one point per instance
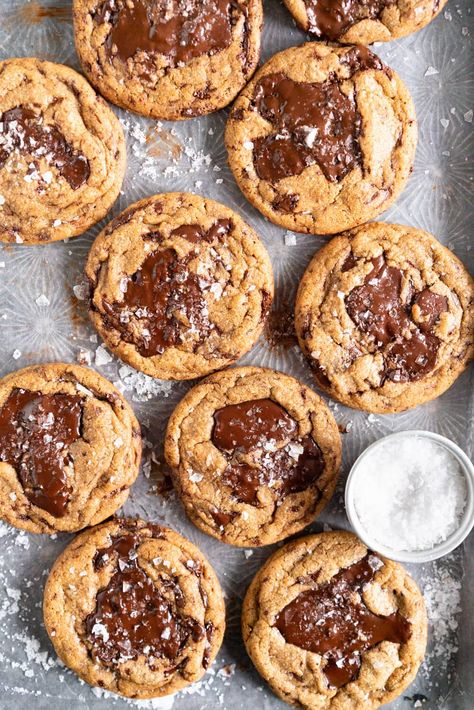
(410, 496)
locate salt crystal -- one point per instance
(468, 116)
(399, 487)
(290, 239)
(248, 145)
(195, 477)
(81, 291)
(311, 137)
(295, 450)
(83, 390)
(84, 357)
(16, 354)
(100, 630)
(2, 200)
(444, 122)
(42, 300)
(102, 357)
(431, 71)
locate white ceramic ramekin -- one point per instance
(456, 538)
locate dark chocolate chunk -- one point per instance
(181, 30)
(23, 130)
(164, 301)
(134, 616)
(264, 449)
(330, 19)
(409, 348)
(313, 123)
(35, 433)
(333, 622)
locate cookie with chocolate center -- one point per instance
(330, 624)
(363, 21)
(323, 138)
(134, 608)
(168, 59)
(70, 448)
(254, 455)
(385, 316)
(180, 286)
(62, 153)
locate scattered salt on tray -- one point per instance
(410, 494)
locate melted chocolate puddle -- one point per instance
(164, 298)
(409, 349)
(35, 433)
(313, 123)
(22, 130)
(133, 616)
(251, 434)
(180, 29)
(330, 622)
(330, 19)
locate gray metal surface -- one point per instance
(437, 66)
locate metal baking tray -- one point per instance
(436, 64)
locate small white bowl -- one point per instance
(452, 541)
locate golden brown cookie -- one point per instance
(385, 316)
(323, 138)
(331, 625)
(70, 448)
(170, 59)
(254, 455)
(363, 21)
(62, 153)
(134, 608)
(180, 286)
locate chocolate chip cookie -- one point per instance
(363, 21)
(323, 138)
(134, 608)
(170, 59)
(331, 625)
(385, 316)
(70, 448)
(180, 286)
(254, 455)
(62, 153)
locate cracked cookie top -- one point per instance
(330, 624)
(70, 448)
(385, 316)
(134, 608)
(62, 153)
(254, 455)
(180, 286)
(170, 59)
(363, 21)
(323, 138)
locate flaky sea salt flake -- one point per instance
(42, 301)
(102, 357)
